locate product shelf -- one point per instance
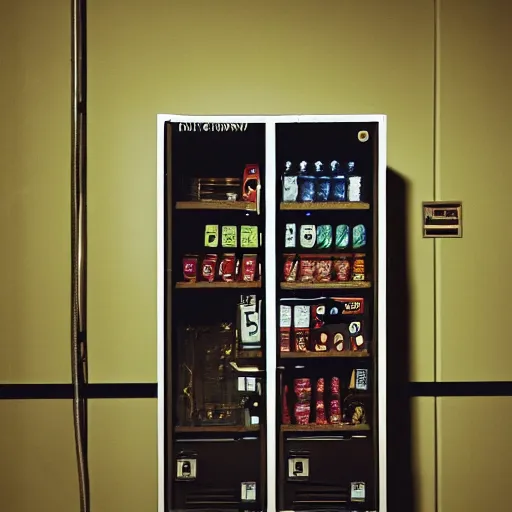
(297, 285)
(324, 355)
(347, 205)
(212, 204)
(312, 427)
(218, 284)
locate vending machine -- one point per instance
(271, 312)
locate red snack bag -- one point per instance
(319, 406)
(285, 327)
(335, 411)
(227, 268)
(335, 386)
(342, 269)
(322, 270)
(249, 262)
(285, 412)
(290, 268)
(208, 267)
(250, 182)
(307, 269)
(302, 413)
(190, 267)
(302, 388)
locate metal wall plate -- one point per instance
(442, 219)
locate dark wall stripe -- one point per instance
(59, 391)
(417, 389)
(149, 390)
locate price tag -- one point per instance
(248, 491)
(358, 491)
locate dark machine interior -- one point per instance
(322, 466)
(216, 410)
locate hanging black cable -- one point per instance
(79, 244)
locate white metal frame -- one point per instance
(270, 291)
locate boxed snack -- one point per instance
(285, 327)
(249, 237)
(229, 238)
(211, 235)
(301, 322)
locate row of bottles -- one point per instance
(306, 184)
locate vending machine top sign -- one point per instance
(271, 312)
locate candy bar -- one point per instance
(358, 268)
(347, 306)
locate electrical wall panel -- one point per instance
(271, 312)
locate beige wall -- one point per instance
(240, 57)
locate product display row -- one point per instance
(271, 302)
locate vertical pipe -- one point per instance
(79, 244)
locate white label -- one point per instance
(186, 469)
(255, 420)
(251, 383)
(354, 188)
(290, 236)
(290, 188)
(285, 316)
(250, 324)
(307, 236)
(301, 317)
(241, 383)
(362, 379)
(298, 467)
(248, 491)
(357, 491)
